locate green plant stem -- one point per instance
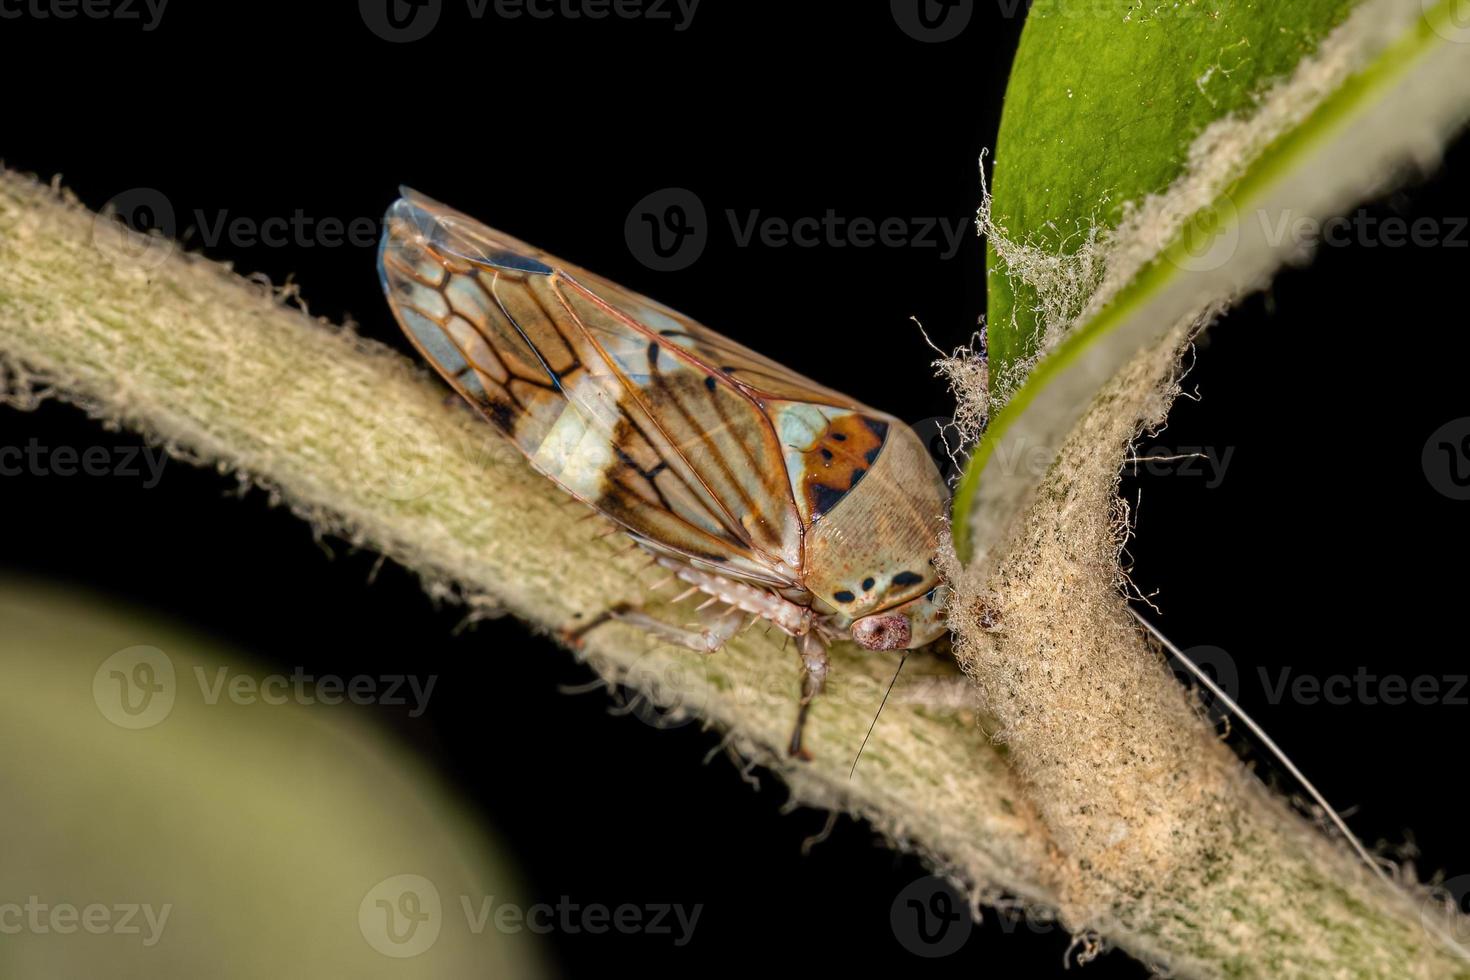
(362, 444)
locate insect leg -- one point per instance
(706, 640)
(813, 652)
(709, 639)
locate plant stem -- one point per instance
(1218, 879)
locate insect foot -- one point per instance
(814, 666)
(573, 637)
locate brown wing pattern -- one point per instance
(611, 395)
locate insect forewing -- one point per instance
(619, 410)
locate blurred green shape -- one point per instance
(155, 826)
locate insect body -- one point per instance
(762, 489)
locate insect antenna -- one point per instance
(1266, 740)
(1439, 931)
(901, 661)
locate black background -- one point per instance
(1324, 548)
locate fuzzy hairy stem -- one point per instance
(361, 443)
(364, 445)
(1168, 845)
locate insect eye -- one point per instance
(881, 632)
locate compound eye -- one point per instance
(881, 632)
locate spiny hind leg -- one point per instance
(812, 650)
(708, 636)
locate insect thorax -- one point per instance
(873, 550)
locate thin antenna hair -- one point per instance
(1266, 740)
(1451, 942)
(901, 661)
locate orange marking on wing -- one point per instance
(839, 459)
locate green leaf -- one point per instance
(1101, 109)
(1147, 162)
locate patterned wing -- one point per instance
(829, 441)
(606, 393)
